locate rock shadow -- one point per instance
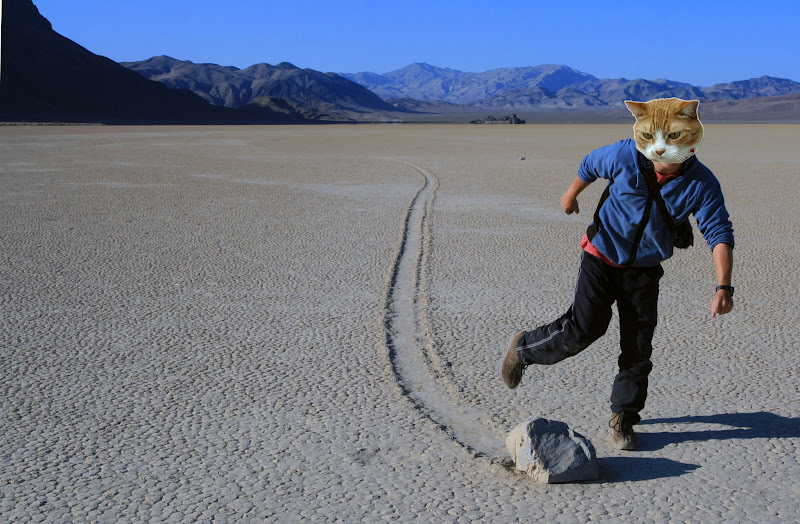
(760, 424)
(633, 469)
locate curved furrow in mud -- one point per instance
(417, 367)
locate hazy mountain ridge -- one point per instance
(422, 82)
(550, 86)
(764, 86)
(786, 105)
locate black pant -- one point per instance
(635, 290)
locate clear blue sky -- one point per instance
(697, 42)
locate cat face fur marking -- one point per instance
(667, 130)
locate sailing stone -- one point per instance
(550, 452)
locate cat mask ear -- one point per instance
(690, 109)
(637, 109)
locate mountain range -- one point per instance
(549, 86)
(424, 88)
(47, 77)
(282, 87)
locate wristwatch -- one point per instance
(729, 288)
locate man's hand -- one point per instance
(569, 204)
(569, 200)
(723, 264)
(722, 303)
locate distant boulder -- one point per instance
(510, 119)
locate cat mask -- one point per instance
(666, 129)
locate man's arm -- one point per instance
(569, 200)
(723, 264)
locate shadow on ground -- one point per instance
(742, 426)
(631, 469)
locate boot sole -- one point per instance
(626, 446)
(514, 335)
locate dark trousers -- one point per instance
(635, 290)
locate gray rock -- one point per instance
(550, 452)
(508, 119)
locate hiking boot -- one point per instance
(512, 368)
(622, 429)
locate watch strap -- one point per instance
(728, 288)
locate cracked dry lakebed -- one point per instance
(303, 323)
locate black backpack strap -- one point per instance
(594, 227)
(649, 173)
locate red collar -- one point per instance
(662, 178)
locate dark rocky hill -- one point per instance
(47, 77)
(305, 90)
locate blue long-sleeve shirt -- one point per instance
(696, 191)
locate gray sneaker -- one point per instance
(511, 368)
(621, 425)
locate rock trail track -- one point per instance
(418, 367)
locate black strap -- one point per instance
(594, 227)
(649, 173)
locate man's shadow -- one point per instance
(626, 468)
(740, 426)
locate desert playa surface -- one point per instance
(304, 323)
